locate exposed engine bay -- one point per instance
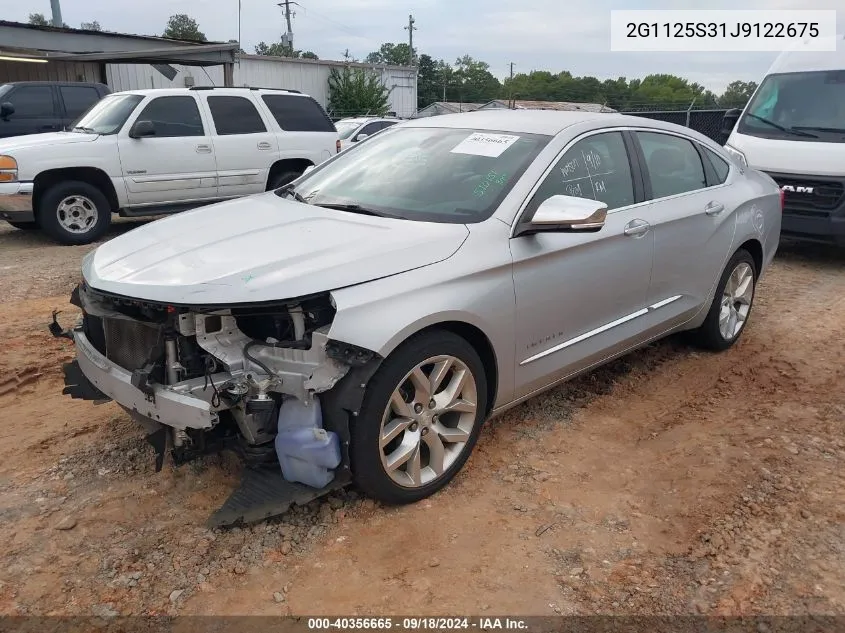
(204, 379)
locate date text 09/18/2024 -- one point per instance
(416, 624)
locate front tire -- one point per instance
(731, 307)
(421, 416)
(74, 212)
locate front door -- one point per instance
(579, 296)
(177, 164)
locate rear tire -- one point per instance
(731, 307)
(281, 179)
(422, 414)
(74, 212)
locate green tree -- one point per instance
(474, 82)
(183, 27)
(279, 49)
(91, 26)
(737, 94)
(38, 19)
(356, 91)
(392, 54)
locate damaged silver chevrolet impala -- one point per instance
(362, 322)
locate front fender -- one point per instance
(474, 287)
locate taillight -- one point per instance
(782, 200)
(337, 146)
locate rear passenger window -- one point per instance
(298, 114)
(173, 117)
(235, 115)
(78, 99)
(674, 165)
(597, 168)
(719, 165)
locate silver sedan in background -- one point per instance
(417, 284)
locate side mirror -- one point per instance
(6, 110)
(566, 214)
(729, 120)
(142, 129)
(361, 137)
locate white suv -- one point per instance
(356, 129)
(148, 152)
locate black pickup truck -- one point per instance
(32, 107)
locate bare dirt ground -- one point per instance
(672, 482)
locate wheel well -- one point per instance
(482, 346)
(288, 164)
(755, 249)
(91, 175)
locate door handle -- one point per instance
(714, 208)
(264, 145)
(203, 149)
(636, 228)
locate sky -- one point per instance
(551, 35)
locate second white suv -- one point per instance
(148, 152)
(356, 129)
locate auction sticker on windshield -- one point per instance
(480, 144)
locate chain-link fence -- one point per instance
(707, 121)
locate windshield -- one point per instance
(346, 128)
(425, 174)
(808, 106)
(108, 115)
(4, 89)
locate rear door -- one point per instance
(75, 101)
(245, 146)
(306, 130)
(36, 110)
(176, 165)
(692, 215)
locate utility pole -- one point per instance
(286, 4)
(510, 88)
(411, 28)
(57, 13)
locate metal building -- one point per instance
(29, 52)
(132, 62)
(306, 75)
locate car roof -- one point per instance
(548, 122)
(231, 90)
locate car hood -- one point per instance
(263, 248)
(48, 138)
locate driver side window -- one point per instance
(173, 116)
(596, 167)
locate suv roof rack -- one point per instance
(244, 88)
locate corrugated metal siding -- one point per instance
(142, 76)
(52, 71)
(312, 78)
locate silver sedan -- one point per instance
(395, 297)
